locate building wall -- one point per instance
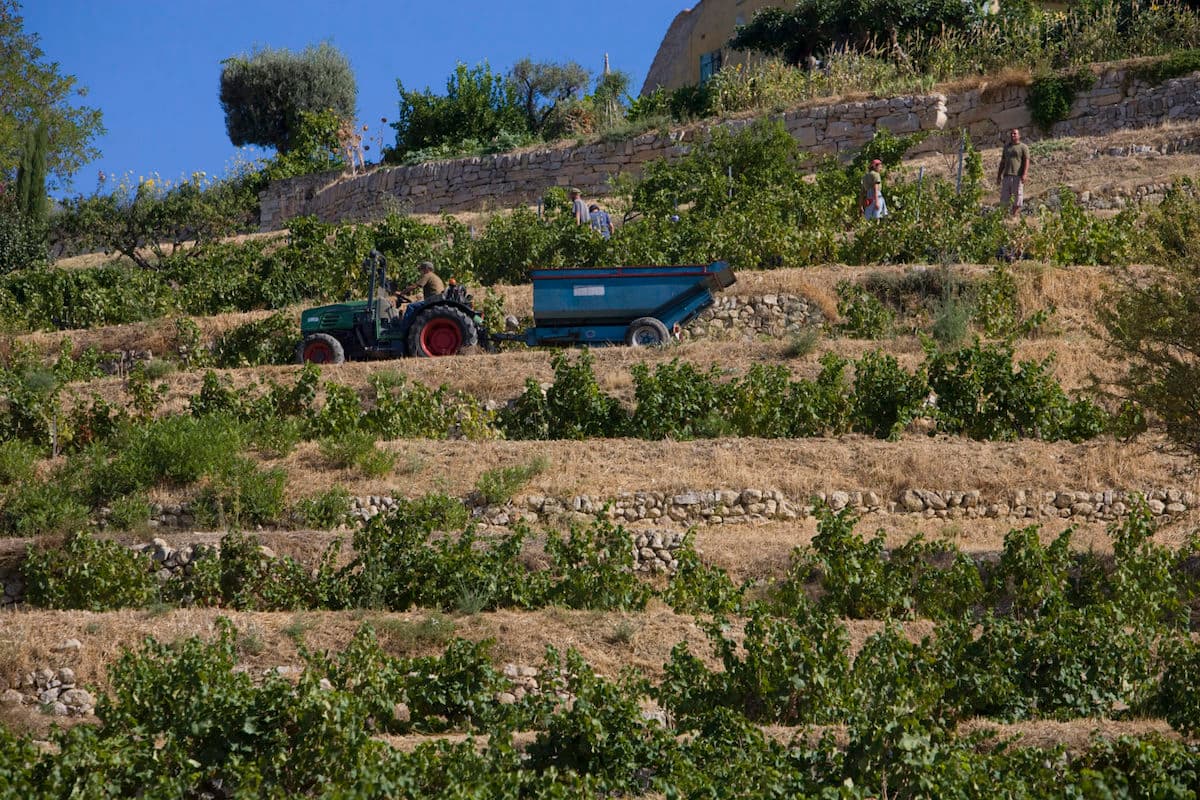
(1116, 101)
(701, 30)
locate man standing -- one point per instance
(873, 204)
(578, 207)
(1014, 165)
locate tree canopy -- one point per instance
(543, 85)
(814, 26)
(264, 94)
(478, 104)
(34, 90)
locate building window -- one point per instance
(710, 64)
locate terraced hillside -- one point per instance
(769, 560)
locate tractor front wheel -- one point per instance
(320, 348)
(441, 331)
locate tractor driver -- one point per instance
(429, 283)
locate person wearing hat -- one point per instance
(578, 207)
(428, 282)
(871, 199)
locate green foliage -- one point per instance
(244, 576)
(981, 395)
(812, 27)
(497, 486)
(677, 401)
(22, 242)
(1175, 65)
(478, 104)
(543, 89)
(90, 574)
(313, 147)
(786, 671)
(130, 512)
(853, 577)
(1051, 94)
(1072, 236)
(37, 94)
(358, 449)
(149, 220)
(1151, 322)
(863, 315)
(886, 397)
(221, 728)
(31, 200)
(326, 510)
(240, 493)
(698, 588)
(264, 94)
(574, 407)
(593, 568)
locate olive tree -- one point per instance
(265, 93)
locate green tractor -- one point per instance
(374, 328)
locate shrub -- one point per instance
(886, 397)
(1051, 94)
(1153, 323)
(129, 512)
(242, 494)
(271, 340)
(328, 510)
(497, 486)
(89, 574)
(357, 449)
(1177, 64)
(593, 568)
(863, 315)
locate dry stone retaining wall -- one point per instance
(656, 549)
(1116, 101)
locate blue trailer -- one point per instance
(636, 306)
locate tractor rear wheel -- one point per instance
(646, 332)
(441, 331)
(320, 348)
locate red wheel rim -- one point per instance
(441, 337)
(318, 352)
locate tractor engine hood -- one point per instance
(338, 316)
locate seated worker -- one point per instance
(429, 283)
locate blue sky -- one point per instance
(152, 66)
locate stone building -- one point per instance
(695, 45)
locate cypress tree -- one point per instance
(31, 176)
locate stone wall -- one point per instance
(1116, 101)
(655, 548)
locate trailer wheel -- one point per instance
(441, 331)
(320, 348)
(646, 332)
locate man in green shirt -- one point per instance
(1014, 165)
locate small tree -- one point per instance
(264, 94)
(544, 86)
(31, 177)
(34, 89)
(479, 104)
(1152, 317)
